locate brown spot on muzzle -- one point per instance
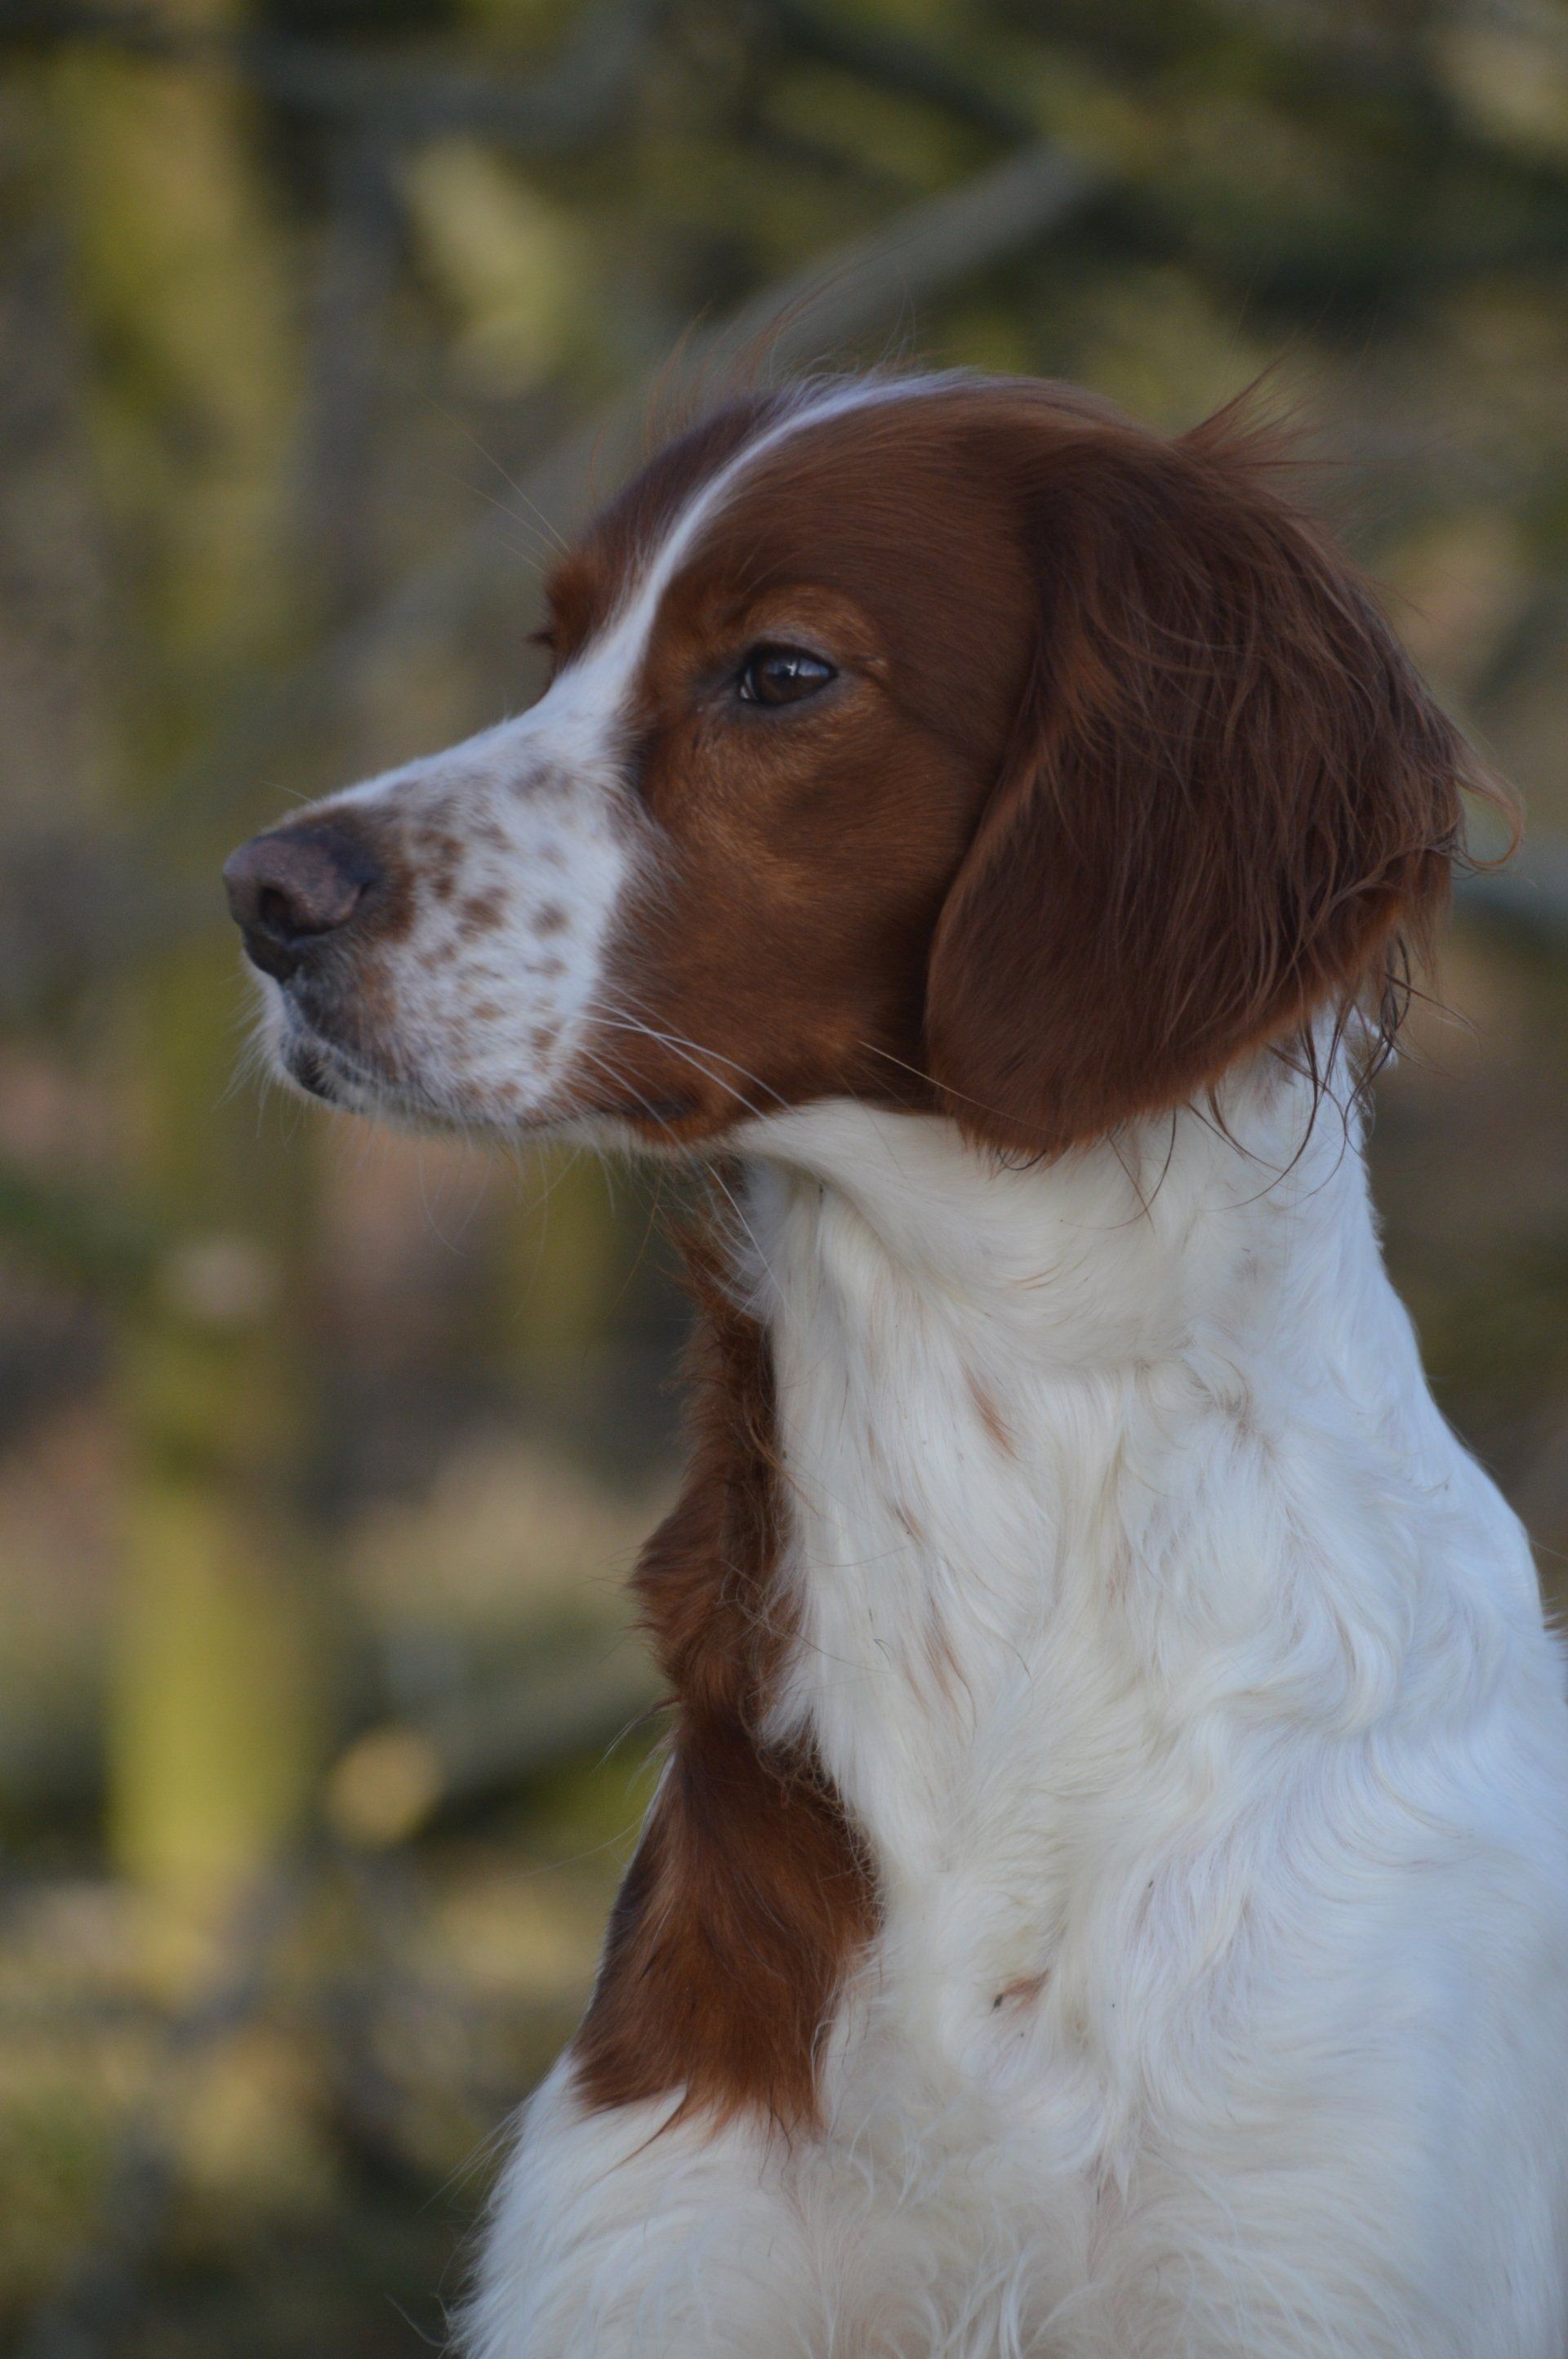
(480, 915)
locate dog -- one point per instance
(1107, 1893)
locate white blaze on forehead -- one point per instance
(611, 659)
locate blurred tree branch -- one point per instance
(577, 98)
(355, 281)
(891, 60)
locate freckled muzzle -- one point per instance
(434, 940)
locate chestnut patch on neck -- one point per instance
(750, 1894)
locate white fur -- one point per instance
(1217, 1694)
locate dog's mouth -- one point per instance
(326, 1067)
(359, 1077)
(305, 1062)
(342, 1068)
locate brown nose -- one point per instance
(291, 892)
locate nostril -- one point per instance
(275, 913)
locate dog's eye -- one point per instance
(783, 675)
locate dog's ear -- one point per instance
(1227, 803)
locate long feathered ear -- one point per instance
(1229, 806)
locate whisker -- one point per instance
(680, 1039)
(604, 1066)
(716, 1175)
(693, 1055)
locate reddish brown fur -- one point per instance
(1121, 777)
(1229, 804)
(748, 1897)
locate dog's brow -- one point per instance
(651, 567)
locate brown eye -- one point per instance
(783, 675)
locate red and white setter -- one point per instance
(1106, 1897)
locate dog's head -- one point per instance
(948, 743)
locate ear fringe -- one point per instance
(1231, 810)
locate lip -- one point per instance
(305, 1063)
(321, 1065)
(352, 1082)
(667, 1110)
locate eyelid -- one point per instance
(781, 644)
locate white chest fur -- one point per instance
(1145, 1600)
(1190, 1685)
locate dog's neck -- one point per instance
(1098, 1465)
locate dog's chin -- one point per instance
(309, 1065)
(306, 1058)
(309, 1060)
(303, 1060)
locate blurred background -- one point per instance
(323, 1452)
